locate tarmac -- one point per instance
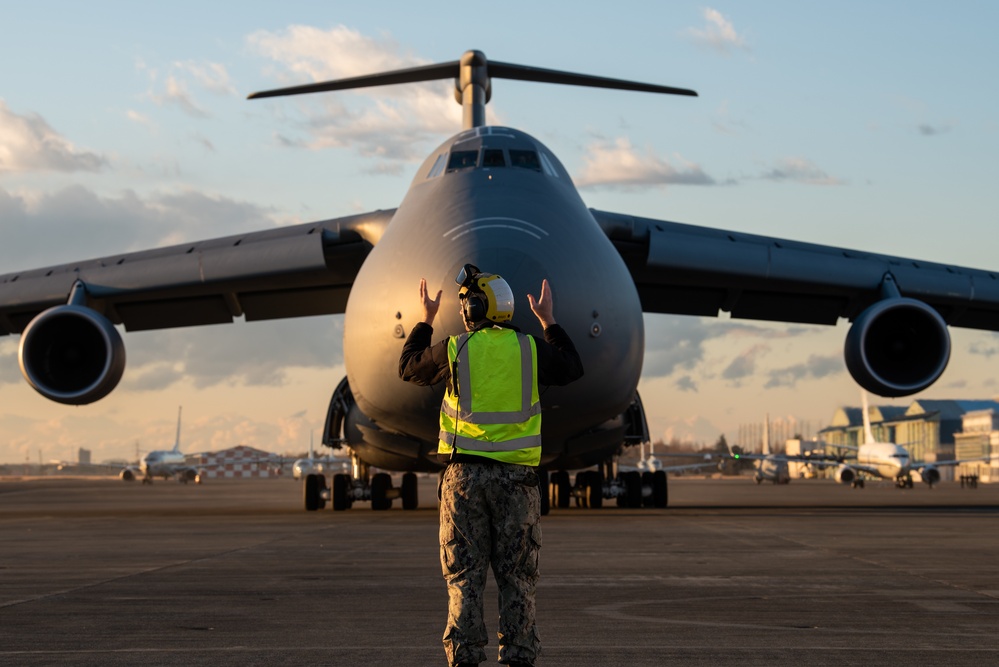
(100, 572)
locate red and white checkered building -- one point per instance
(240, 462)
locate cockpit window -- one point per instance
(438, 167)
(547, 166)
(493, 157)
(462, 160)
(525, 159)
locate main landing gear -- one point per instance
(630, 489)
(360, 485)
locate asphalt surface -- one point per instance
(235, 573)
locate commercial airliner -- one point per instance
(887, 460)
(773, 466)
(498, 198)
(165, 463)
(317, 465)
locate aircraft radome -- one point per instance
(497, 198)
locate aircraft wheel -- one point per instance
(647, 483)
(543, 491)
(594, 490)
(312, 490)
(633, 486)
(660, 489)
(561, 489)
(380, 484)
(581, 480)
(341, 487)
(410, 493)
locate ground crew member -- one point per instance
(490, 438)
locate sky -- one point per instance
(125, 127)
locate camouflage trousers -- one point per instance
(490, 516)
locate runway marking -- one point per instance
(549, 648)
(617, 612)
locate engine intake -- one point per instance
(845, 475)
(897, 347)
(72, 354)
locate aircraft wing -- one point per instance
(920, 465)
(293, 271)
(690, 270)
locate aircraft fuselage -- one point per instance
(496, 198)
(891, 461)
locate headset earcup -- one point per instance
(474, 309)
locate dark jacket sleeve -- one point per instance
(558, 360)
(422, 363)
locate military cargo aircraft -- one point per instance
(497, 198)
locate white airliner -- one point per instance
(773, 467)
(316, 466)
(165, 463)
(886, 460)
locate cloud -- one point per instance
(692, 429)
(675, 344)
(816, 367)
(389, 122)
(984, 349)
(718, 33)
(28, 143)
(744, 365)
(685, 383)
(618, 165)
(256, 354)
(86, 225)
(175, 91)
(243, 354)
(800, 170)
(928, 130)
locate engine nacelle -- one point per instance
(930, 475)
(897, 347)
(72, 354)
(845, 475)
(129, 474)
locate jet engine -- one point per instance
(845, 475)
(72, 354)
(897, 347)
(930, 475)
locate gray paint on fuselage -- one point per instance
(547, 232)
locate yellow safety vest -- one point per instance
(492, 408)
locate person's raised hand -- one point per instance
(430, 306)
(543, 306)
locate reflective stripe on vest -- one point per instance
(464, 412)
(492, 407)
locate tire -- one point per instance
(648, 500)
(341, 488)
(543, 491)
(594, 490)
(380, 484)
(410, 493)
(633, 486)
(660, 489)
(311, 492)
(582, 479)
(561, 489)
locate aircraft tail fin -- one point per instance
(766, 436)
(176, 443)
(868, 432)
